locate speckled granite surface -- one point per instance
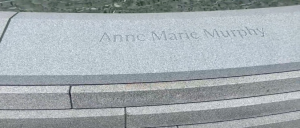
(137, 6)
(47, 48)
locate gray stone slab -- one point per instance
(34, 97)
(59, 48)
(286, 120)
(90, 118)
(206, 112)
(4, 17)
(287, 124)
(124, 95)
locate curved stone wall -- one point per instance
(257, 93)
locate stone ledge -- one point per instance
(89, 118)
(34, 97)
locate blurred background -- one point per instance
(136, 6)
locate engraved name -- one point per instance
(184, 35)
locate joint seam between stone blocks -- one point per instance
(6, 26)
(70, 97)
(125, 117)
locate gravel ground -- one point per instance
(136, 6)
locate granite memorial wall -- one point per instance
(236, 68)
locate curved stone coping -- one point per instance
(85, 118)
(4, 18)
(34, 97)
(7, 80)
(195, 113)
(64, 49)
(143, 94)
(286, 120)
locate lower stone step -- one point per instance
(286, 120)
(205, 112)
(85, 118)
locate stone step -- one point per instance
(285, 120)
(143, 94)
(84, 118)
(35, 97)
(205, 112)
(257, 108)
